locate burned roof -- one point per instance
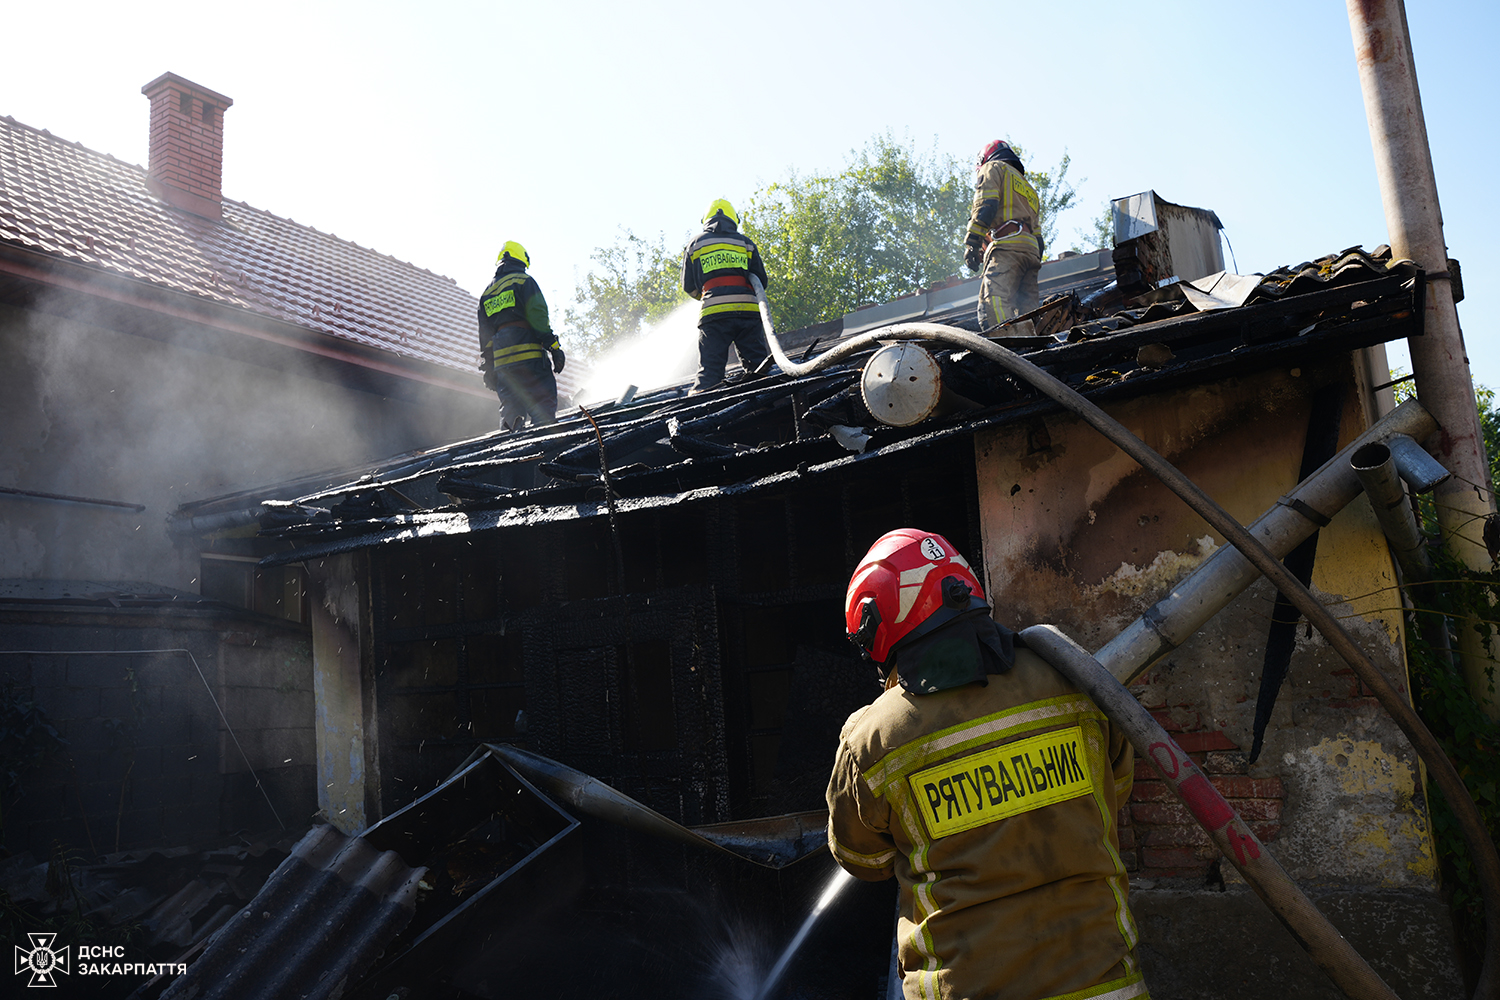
(66, 202)
(756, 431)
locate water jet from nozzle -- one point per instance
(836, 883)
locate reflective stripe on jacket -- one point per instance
(513, 323)
(1002, 194)
(994, 806)
(716, 269)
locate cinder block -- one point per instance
(117, 703)
(97, 671)
(167, 728)
(267, 749)
(88, 736)
(267, 708)
(69, 703)
(141, 828)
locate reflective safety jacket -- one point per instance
(716, 269)
(513, 324)
(994, 807)
(1006, 208)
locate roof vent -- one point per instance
(187, 145)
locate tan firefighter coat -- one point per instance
(994, 806)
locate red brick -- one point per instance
(1173, 858)
(1175, 836)
(1200, 742)
(1163, 717)
(1237, 787)
(1127, 837)
(1265, 831)
(1144, 771)
(1258, 810)
(1160, 813)
(1149, 791)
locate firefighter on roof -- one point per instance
(716, 269)
(515, 339)
(1003, 236)
(988, 786)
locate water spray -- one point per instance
(836, 883)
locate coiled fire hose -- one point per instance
(1353, 976)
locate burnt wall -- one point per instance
(694, 660)
(147, 760)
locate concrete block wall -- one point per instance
(147, 759)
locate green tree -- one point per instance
(632, 284)
(1100, 235)
(888, 224)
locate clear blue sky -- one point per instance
(435, 132)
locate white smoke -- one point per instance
(661, 354)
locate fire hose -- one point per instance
(1326, 946)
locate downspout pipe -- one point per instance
(1234, 839)
(1376, 469)
(1481, 848)
(1439, 360)
(1422, 472)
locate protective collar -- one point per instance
(966, 650)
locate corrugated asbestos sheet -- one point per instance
(320, 922)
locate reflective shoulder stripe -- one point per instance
(1125, 988)
(732, 247)
(896, 765)
(875, 861)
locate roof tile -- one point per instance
(63, 199)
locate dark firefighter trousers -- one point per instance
(527, 389)
(716, 333)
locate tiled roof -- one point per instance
(58, 198)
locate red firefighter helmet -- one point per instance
(1000, 150)
(910, 583)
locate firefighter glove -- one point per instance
(558, 359)
(489, 380)
(973, 252)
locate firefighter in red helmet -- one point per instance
(988, 786)
(1003, 236)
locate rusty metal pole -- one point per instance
(1408, 191)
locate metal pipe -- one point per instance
(782, 839)
(203, 524)
(1376, 469)
(1174, 619)
(63, 498)
(1439, 359)
(1234, 839)
(1481, 848)
(1421, 471)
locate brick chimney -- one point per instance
(187, 145)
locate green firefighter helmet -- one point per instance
(514, 251)
(721, 205)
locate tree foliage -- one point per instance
(890, 223)
(632, 284)
(1457, 598)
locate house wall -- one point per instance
(148, 760)
(1077, 535)
(95, 413)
